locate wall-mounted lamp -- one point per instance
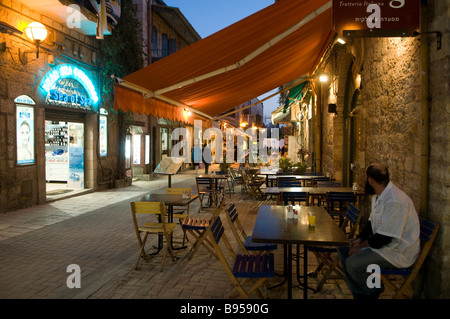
(323, 77)
(340, 40)
(37, 33)
(187, 113)
(332, 108)
(438, 37)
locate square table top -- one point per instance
(311, 190)
(273, 226)
(214, 176)
(168, 199)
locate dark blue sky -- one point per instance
(210, 16)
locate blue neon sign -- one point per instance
(68, 71)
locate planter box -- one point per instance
(119, 183)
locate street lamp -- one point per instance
(37, 33)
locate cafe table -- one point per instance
(216, 178)
(314, 192)
(170, 200)
(273, 226)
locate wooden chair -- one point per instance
(294, 198)
(236, 180)
(289, 182)
(428, 232)
(246, 269)
(254, 188)
(158, 227)
(205, 186)
(197, 225)
(328, 184)
(337, 203)
(316, 179)
(180, 212)
(244, 241)
(326, 255)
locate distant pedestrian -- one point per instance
(207, 157)
(196, 156)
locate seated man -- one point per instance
(390, 238)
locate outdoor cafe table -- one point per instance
(312, 191)
(170, 200)
(273, 226)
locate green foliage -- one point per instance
(285, 164)
(224, 166)
(300, 167)
(120, 53)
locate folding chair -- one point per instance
(316, 179)
(236, 180)
(246, 269)
(294, 198)
(337, 202)
(428, 232)
(244, 241)
(324, 254)
(205, 186)
(253, 187)
(328, 184)
(288, 182)
(196, 227)
(180, 212)
(158, 227)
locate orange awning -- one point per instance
(245, 60)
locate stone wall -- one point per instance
(439, 161)
(23, 186)
(392, 127)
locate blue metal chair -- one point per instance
(246, 269)
(324, 254)
(244, 240)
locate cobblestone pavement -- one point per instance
(95, 232)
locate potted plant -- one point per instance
(224, 166)
(285, 164)
(300, 168)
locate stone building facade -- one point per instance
(393, 107)
(60, 86)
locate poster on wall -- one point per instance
(76, 168)
(103, 127)
(25, 135)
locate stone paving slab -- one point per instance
(95, 232)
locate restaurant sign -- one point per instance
(381, 18)
(69, 86)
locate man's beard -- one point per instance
(368, 189)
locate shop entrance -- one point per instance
(64, 157)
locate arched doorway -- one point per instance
(352, 130)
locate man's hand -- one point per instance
(356, 246)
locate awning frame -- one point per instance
(158, 94)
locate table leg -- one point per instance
(284, 269)
(305, 272)
(289, 270)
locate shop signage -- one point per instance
(359, 18)
(67, 85)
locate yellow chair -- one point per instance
(196, 226)
(158, 226)
(180, 212)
